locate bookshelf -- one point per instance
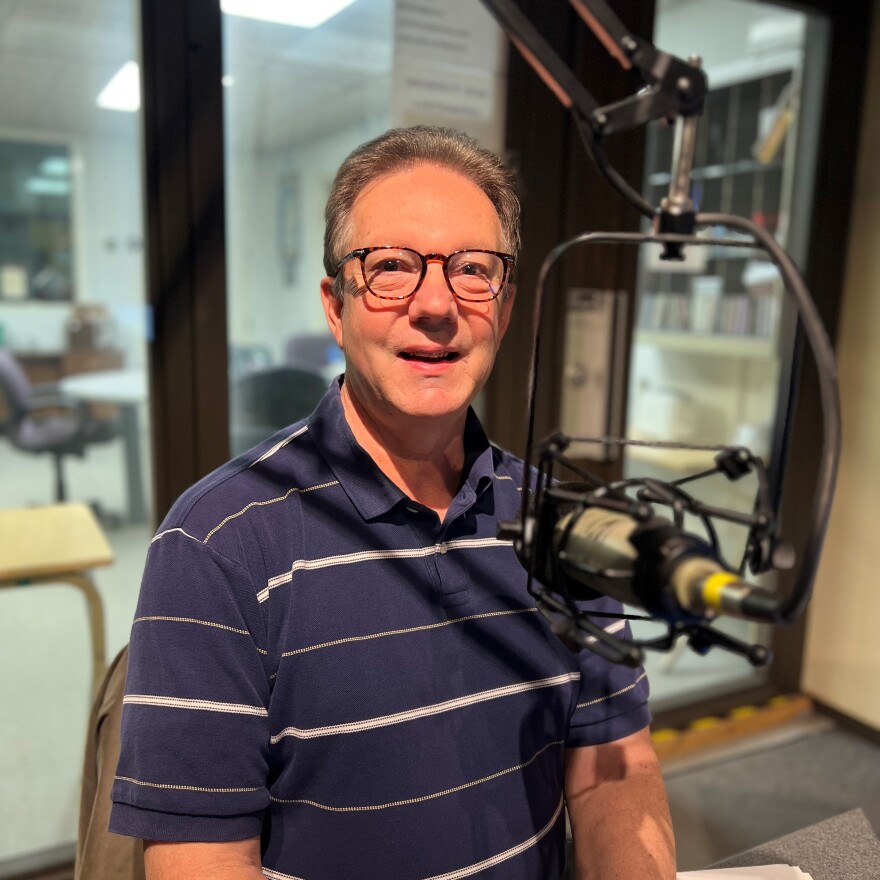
(743, 154)
(705, 359)
(714, 344)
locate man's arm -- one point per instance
(619, 812)
(238, 860)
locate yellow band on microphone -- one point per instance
(713, 585)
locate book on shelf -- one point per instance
(733, 314)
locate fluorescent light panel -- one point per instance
(123, 92)
(47, 186)
(55, 166)
(299, 13)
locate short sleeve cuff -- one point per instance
(609, 729)
(178, 828)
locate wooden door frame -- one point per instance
(181, 50)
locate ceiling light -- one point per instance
(123, 92)
(55, 166)
(300, 13)
(45, 186)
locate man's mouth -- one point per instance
(429, 357)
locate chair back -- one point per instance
(265, 402)
(311, 351)
(15, 387)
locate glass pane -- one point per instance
(73, 414)
(299, 98)
(708, 348)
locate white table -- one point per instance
(126, 389)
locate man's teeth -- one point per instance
(429, 355)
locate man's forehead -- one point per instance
(425, 193)
(430, 173)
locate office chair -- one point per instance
(264, 402)
(41, 421)
(313, 351)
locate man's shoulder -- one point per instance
(280, 468)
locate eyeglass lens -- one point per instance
(395, 272)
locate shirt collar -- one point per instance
(371, 492)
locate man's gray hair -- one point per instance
(402, 148)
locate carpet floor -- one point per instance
(772, 786)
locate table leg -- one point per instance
(82, 581)
(96, 626)
(137, 508)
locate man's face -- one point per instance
(387, 343)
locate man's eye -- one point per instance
(389, 266)
(471, 269)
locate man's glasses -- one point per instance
(396, 273)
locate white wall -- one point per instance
(112, 236)
(736, 39)
(108, 250)
(265, 306)
(842, 657)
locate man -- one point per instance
(336, 670)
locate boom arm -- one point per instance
(675, 90)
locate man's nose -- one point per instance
(433, 300)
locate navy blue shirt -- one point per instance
(319, 660)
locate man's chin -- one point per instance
(437, 406)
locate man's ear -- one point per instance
(332, 309)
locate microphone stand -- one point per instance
(674, 89)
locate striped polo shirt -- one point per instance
(317, 659)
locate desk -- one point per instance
(844, 847)
(58, 544)
(127, 389)
(49, 367)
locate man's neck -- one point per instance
(424, 461)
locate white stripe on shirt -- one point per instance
(629, 687)
(201, 705)
(247, 507)
(365, 808)
(373, 555)
(425, 711)
(470, 870)
(280, 445)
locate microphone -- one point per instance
(651, 564)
